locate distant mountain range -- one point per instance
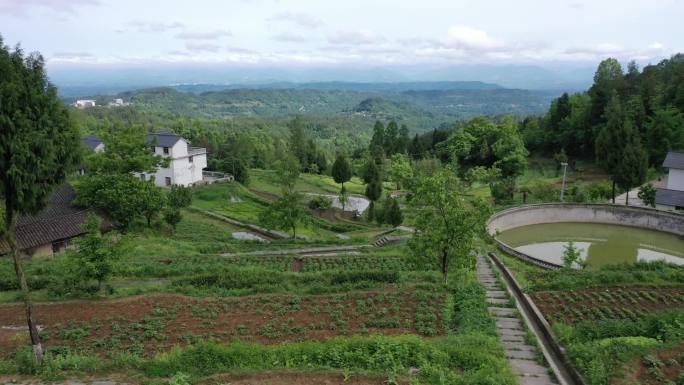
(79, 81)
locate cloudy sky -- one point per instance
(319, 32)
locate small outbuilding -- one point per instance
(52, 230)
(672, 197)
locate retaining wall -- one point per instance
(593, 213)
(586, 213)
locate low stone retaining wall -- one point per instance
(586, 213)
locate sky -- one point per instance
(342, 33)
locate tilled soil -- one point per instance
(608, 303)
(298, 378)
(154, 323)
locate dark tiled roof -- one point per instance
(163, 139)
(91, 141)
(674, 159)
(670, 197)
(60, 219)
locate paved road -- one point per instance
(522, 356)
(634, 198)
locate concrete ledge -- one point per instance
(592, 213)
(641, 217)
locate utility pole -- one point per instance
(565, 168)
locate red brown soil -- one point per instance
(161, 321)
(575, 305)
(262, 378)
(292, 378)
(636, 371)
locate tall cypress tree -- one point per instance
(610, 142)
(631, 170)
(39, 146)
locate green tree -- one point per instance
(393, 214)
(285, 214)
(151, 200)
(633, 164)
(126, 151)
(446, 224)
(664, 132)
(298, 141)
(96, 253)
(373, 180)
(610, 142)
(287, 172)
(377, 143)
(399, 170)
(344, 197)
(403, 140)
(237, 168)
(120, 195)
(39, 146)
(341, 170)
(572, 256)
(607, 81)
(179, 197)
(172, 216)
(391, 138)
(647, 194)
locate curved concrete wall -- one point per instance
(592, 213)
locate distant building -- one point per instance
(93, 142)
(52, 229)
(118, 103)
(84, 103)
(672, 197)
(186, 164)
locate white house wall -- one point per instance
(675, 181)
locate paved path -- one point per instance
(521, 355)
(633, 194)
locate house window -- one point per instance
(142, 176)
(168, 180)
(190, 159)
(166, 151)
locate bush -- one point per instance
(320, 202)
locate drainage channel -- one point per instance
(512, 324)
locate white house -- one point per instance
(118, 103)
(84, 103)
(93, 142)
(672, 197)
(185, 163)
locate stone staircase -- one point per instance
(389, 240)
(522, 356)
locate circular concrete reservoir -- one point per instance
(605, 234)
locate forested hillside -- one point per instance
(415, 104)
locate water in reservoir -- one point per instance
(600, 244)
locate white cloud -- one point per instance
(21, 7)
(153, 27)
(289, 37)
(209, 35)
(299, 19)
(202, 47)
(472, 38)
(359, 37)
